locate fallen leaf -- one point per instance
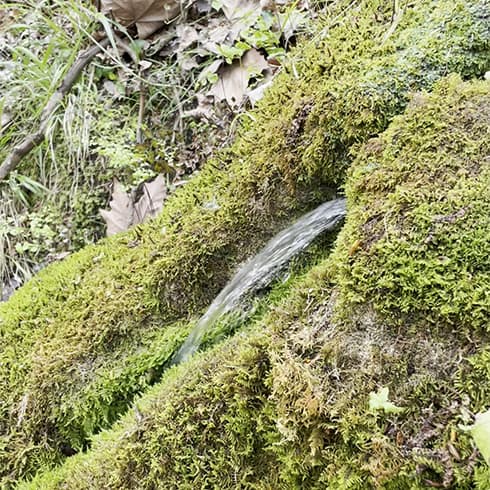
(233, 79)
(210, 70)
(187, 36)
(147, 15)
(291, 22)
(120, 217)
(186, 62)
(237, 9)
(258, 92)
(218, 32)
(151, 202)
(125, 213)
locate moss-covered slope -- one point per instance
(417, 242)
(285, 404)
(83, 337)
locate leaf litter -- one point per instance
(221, 44)
(174, 51)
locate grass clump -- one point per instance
(89, 330)
(285, 404)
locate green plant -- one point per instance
(265, 34)
(47, 39)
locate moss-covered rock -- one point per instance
(286, 403)
(81, 339)
(392, 254)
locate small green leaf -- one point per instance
(212, 77)
(230, 52)
(242, 45)
(379, 401)
(480, 432)
(216, 4)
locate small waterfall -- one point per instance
(260, 270)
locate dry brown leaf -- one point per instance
(233, 79)
(237, 9)
(240, 15)
(147, 15)
(253, 59)
(219, 31)
(151, 202)
(125, 213)
(257, 93)
(120, 217)
(291, 22)
(186, 35)
(212, 68)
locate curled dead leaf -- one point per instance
(147, 15)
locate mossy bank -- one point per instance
(85, 336)
(285, 403)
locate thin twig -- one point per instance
(396, 17)
(33, 140)
(141, 111)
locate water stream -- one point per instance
(261, 269)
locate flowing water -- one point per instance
(261, 269)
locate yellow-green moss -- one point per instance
(421, 248)
(285, 403)
(107, 308)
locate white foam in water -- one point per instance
(260, 270)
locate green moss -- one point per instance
(421, 248)
(285, 404)
(108, 307)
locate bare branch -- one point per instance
(35, 139)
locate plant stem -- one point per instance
(33, 140)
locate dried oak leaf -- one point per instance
(147, 15)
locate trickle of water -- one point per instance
(260, 270)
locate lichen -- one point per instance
(109, 309)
